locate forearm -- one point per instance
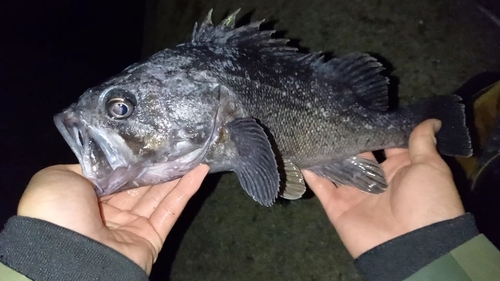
(413, 254)
(43, 251)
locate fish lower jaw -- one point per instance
(121, 178)
(113, 171)
(136, 175)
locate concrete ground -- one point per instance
(432, 48)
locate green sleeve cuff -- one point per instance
(9, 274)
(476, 260)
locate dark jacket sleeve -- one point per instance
(428, 250)
(44, 251)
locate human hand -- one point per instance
(134, 222)
(421, 192)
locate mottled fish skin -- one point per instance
(311, 119)
(196, 103)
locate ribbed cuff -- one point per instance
(397, 259)
(44, 251)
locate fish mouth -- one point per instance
(72, 130)
(105, 158)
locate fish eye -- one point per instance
(119, 108)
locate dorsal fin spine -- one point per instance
(358, 71)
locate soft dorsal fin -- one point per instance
(248, 35)
(361, 73)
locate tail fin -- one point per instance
(453, 139)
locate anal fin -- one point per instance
(293, 183)
(365, 174)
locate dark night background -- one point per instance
(51, 51)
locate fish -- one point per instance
(240, 100)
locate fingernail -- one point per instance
(437, 125)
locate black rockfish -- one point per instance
(239, 100)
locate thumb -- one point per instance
(422, 143)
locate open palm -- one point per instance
(134, 222)
(421, 192)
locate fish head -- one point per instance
(145, 126)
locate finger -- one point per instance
(368, 155)
(168, 211)
(422, 142)
(59, 188)
(56, 177)
(76, 168)
(326, 191)
(334, 200)
(394, 163)
(391, 152)
(321, 187)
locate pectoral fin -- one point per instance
(255, 163)
(365, 174)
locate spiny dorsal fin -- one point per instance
(360, 72)
(311, 58)
(245, 36)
